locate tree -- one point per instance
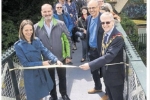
(13, 12)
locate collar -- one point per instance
(41, 22)
(59, 13)
(51, 23)
(109, 32)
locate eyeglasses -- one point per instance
(58, 7)
(108, 22)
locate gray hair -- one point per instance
(108, 14)
(108, 6)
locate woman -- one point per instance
(82, 26)
(116, 17)
(29, 51)
(104, 9)
(71, 7)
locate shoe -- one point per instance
(94, 91)
(82, 60)
(52, 98)
(65, 97)
(105, 97)
(74, 47)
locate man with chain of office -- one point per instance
(111, 60)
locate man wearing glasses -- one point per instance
(64, 8)
(63, 16)
(94, 36)
(112, 53)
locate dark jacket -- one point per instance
(82, 22)
(114, 74)
(67, 20)
(99, 31)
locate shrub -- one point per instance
(9, 34)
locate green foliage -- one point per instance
(134, 37)
(13, 12)
(9, 34)
(130, 28)
(128, 25)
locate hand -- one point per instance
(85, 66)
(71, 15)
(59, 63)
(67, 60)
(45, 63)
(84, 31)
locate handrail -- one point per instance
(134, 58)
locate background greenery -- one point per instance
(13, 12)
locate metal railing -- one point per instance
(135, 82)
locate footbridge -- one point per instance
(78, 81)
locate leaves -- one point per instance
(13, 12)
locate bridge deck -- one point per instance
(79, 81)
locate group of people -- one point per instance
(50, 41)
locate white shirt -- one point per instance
(108, 33)
(48, 29)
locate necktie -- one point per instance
(105, 38)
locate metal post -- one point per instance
(14, 80)
(127, 75)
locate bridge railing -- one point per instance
(12, 81)
(135, 82)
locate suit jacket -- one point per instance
(99, 31)
(114, 74)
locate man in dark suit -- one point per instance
(112, 52)
(94, 36)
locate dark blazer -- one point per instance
(99, 31)
(114, 74)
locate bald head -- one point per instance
(47, 12)
(93, 8)
(93, 2)
(46, 6)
